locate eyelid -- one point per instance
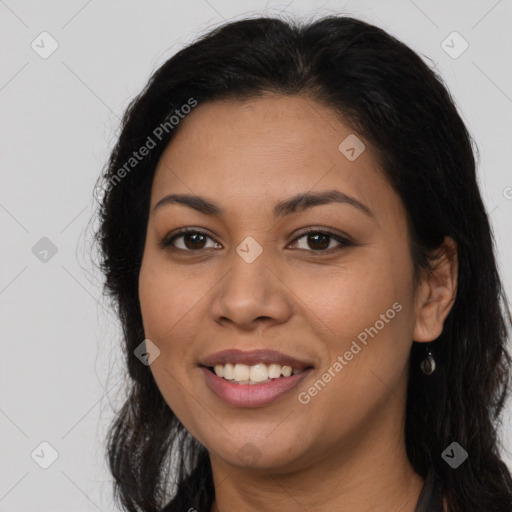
(342, 239)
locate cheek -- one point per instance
(363, 314)
(168, 300)
(367, 358)
(349, 298)
(168, 305)
(164, 317)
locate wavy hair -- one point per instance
(391, 97)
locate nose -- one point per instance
(252, 293)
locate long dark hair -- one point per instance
(390, 96)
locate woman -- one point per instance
(300, 257)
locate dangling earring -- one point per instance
(428, 365)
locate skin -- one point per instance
(344, 450)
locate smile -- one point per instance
(252, 378)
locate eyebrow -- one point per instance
(299, 202)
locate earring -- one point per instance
(428, 365)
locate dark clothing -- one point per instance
(431, 497)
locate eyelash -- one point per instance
(167, 241)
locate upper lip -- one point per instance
(253, 357)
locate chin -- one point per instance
(260, 454)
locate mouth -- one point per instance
(252, 378)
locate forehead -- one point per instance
(268, 148)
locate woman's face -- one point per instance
(256, 280)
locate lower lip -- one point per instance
(252, 395)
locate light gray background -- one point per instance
(61, 368)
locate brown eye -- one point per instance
(320, 241)
(192, 240)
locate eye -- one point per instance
(318, 240)
(193, 240)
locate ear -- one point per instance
(436, 293)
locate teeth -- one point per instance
(219, 370)
(258, 373)
(228, 371)
(286, 371)
(241, 372)
(274, 371)
(245, 374)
